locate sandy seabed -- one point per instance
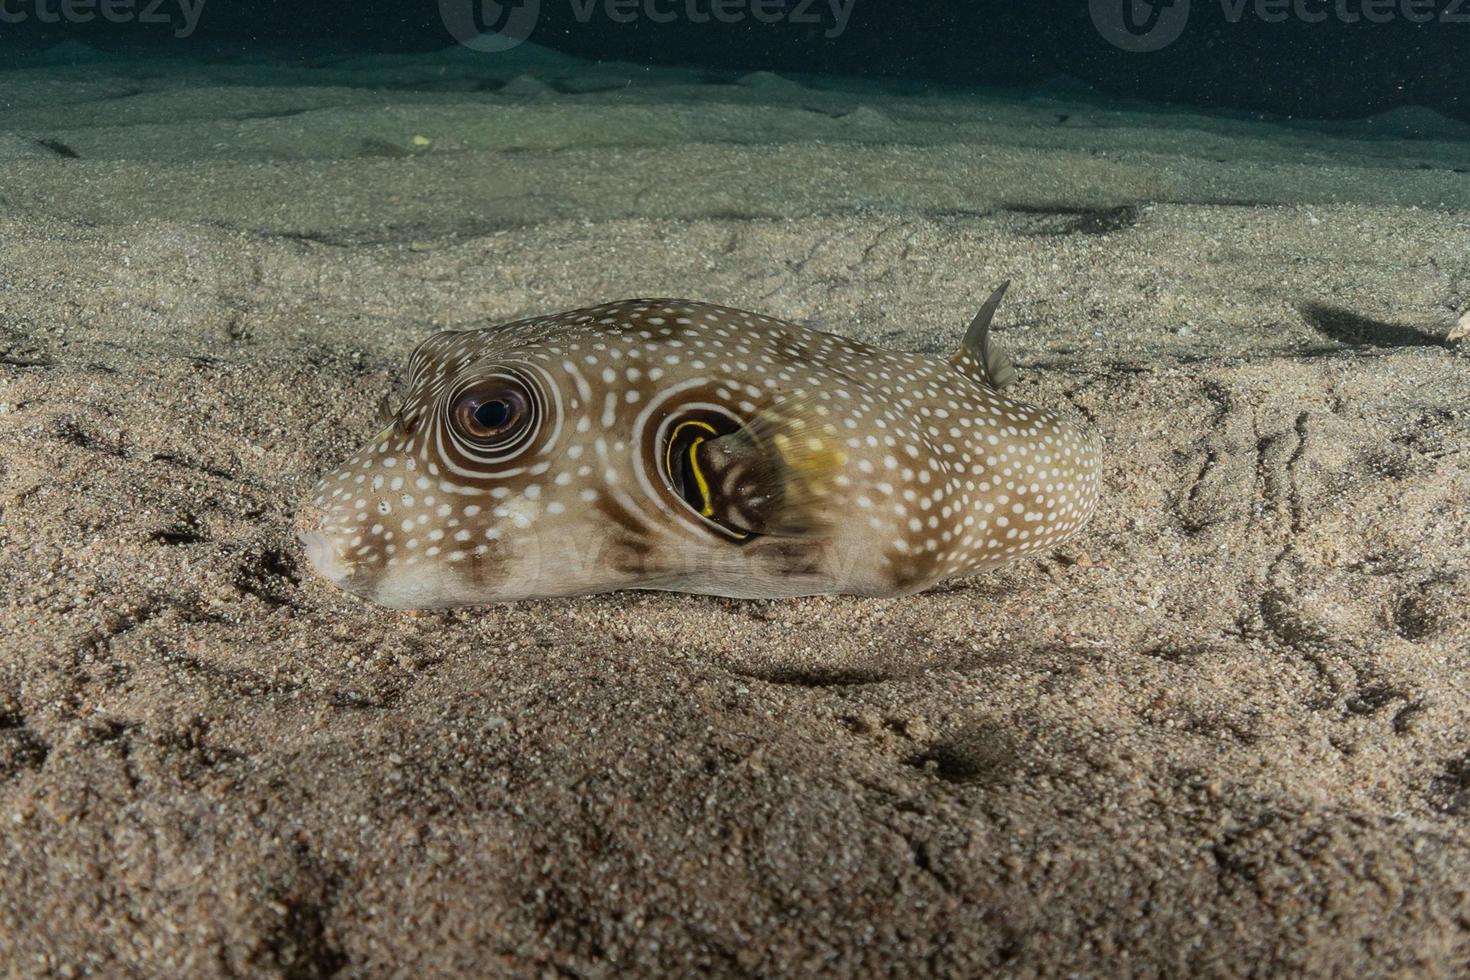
(1225, 732)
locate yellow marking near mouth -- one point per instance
(707, 508)
(701, 483)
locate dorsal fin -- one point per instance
(979, 356)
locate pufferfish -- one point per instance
(677, 445)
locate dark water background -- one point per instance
(1296, 58)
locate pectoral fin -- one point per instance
(388, 415)
(775, 474)
(384, 411)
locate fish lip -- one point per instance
(322, 552)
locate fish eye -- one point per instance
(493, 414)
(490, 412)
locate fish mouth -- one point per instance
(426, 586)
(322, 552)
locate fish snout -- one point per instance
(324, 549)
(325, 557)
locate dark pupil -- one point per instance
(492, 415)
